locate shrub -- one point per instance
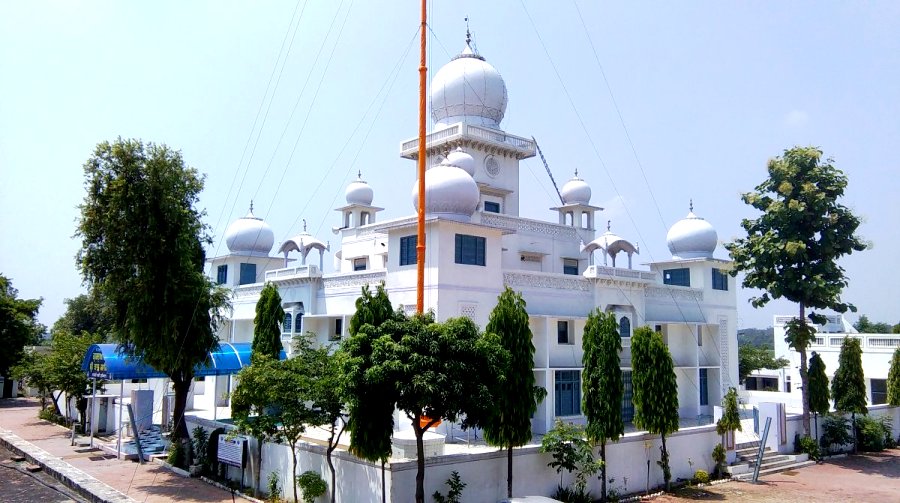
(312, 485)
(177, 454)
(456, 487)
(701, 477)
(274, 486)
(888, 424)
(870, 434)
(807, 445)
(200, 445)
(718, 456)
(835, 433)
(573, 495)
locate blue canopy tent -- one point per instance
(104, 361)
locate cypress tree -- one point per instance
(267, 324)
(893, 384)
(849, 384)
(819, 396)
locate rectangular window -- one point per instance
(562, 332)
(699, 335)
(248, 274)
(704, 387)
(408, 250)
(570, 266)
(222, 275)
(568, 392)
(879, 391)
(627, 404)
(338, 329)
(491, 207)
(359, 264)
(677, 277)
(719, 280)
(470, 249)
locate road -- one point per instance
(20, 486)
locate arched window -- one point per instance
(364, 218)
(624, 327)
(286, 327)
(298, 321)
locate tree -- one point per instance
(849, 384)
(18, 325)
(32, 368)
(751, 358)
(85, 313)
(731, 416)
(819, 396)
(893, 384)
(267, 324)
(572, 452)
(142, 251)
(63, 368)
(655, 390)
(251, 404)
(518, 397)
(864, 326)
(602, 384)
(792, 249)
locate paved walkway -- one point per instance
(149, 482)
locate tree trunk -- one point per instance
(294, 469)
(667, 475)
(816, 418)
(259, 447)
(420, 461)
(603, 470)
(56, 403)
(853, 429)
(332, 444)
(383, 484)
(509, 472)
(804, 375)
(181, 387)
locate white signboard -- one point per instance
(231, 450)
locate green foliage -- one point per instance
(719, 456)
(893, 381)
(274, 486)
(509, 423)
(142, 251)
(807, 445)
(752, 358)
(33, 369)
(200, 445)
(177, 453)
(792, 248)
(312, 485)
(835, 433)
(63, 366)
(571, 452)
(267, 323)
(655, 390)
(864, 326)
(873, 434)
(572, 495)
(849, 384)
(251, 404)
(456, 486)
(701, 477)
(819, 395)
(731, 416)
(18, 325)
(86, 313)
(759, 337)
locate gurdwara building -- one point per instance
(478, 243)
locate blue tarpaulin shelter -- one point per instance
(103, 361)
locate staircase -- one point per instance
(772, 462)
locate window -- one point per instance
(138, 381)
(222, 275)
(624, 327)
(562, 332)
(469, 250)
(699, 335)
(491, 207)
(570, 266)
(568, 392)
(879, 391)
(298, 323)
(704, 387)
(627, 404)
(677, 277)
(408, 250)
(787, 384)
(248, 274)
(359, 264)
(719, 280)
(338, 329)
(286, 326)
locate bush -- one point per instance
(888, 424)
(312, 485)
(718, 456)
(701, 477)
(807, 445)
(456, 487)
(200, 445)
(50, 415)
(177, 454)
(576, 495)
(274, 486)
(835, 433)
(870, 434)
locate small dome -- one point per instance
(692, 237)
(468, 89)
(359, 192)
(249, 235)
(576, 191)
(462, 160)
(450, 193)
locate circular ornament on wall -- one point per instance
(491, 166)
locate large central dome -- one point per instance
(468, 89)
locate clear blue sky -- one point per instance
(708, 91)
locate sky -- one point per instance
(283, 102)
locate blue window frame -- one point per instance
(568, 392)
(677, 277)
(719, 280)
(562, 332)
(624, 327)
(286, 326)
(470, 250)
(627, 403)
(570, 266)
(298, 323)
(222, 275)
(491, 207)
(248, 274)
(408, 250)
(704, 387)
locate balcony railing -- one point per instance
(599, 271)
(302, 271)
(524, 147)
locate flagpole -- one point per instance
(420, 235)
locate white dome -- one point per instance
(462, 160)
(359, 192)
(450, 193)
(692, 237)
(249, 236)
(468, 89)
(576, 191)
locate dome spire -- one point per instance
(691, 205)
(251, 206)
(468, 33)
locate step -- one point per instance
(750, 451)
(779, 469)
